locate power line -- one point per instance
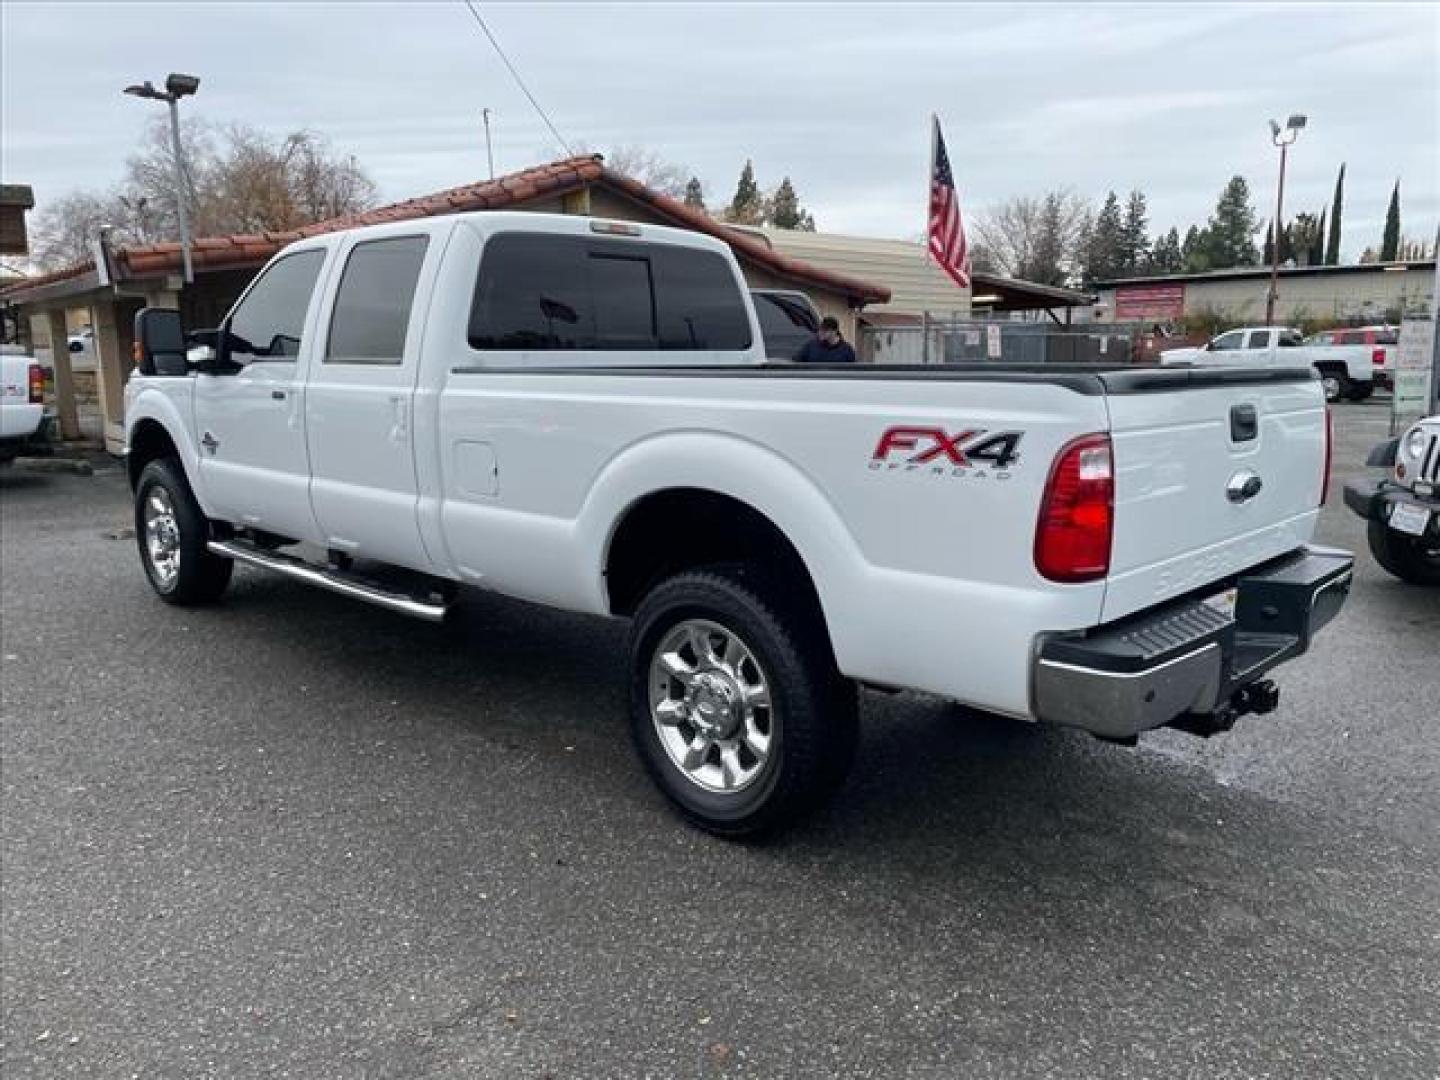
(519, 81)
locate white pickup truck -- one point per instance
(22, 402)
(1346, 371)
(578, 412)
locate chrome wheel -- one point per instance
(1332, 387)
(710, 704)
(162, 536)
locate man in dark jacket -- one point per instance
(827, 346)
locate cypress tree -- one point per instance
(1390, 245)
(1332, 246)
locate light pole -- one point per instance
(1281, 138)
(176, 87)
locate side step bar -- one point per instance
(335, 581)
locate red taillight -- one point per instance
(1325, 476)
(37, 384)
(1077, 514)
(1377, 357)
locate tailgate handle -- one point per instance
(1244, 425)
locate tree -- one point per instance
(1034, 238)
(1104, 247)
(1195, 251)
(237, 180)
(1267, 252)
(648, 168)
(1332, 247)
(1166, 258)
(1134, 237)
(694, 194)
(785, 212)
(1317, 249)
(747, 207)
(1303, 237)
(1232, 228)
(1390, 245)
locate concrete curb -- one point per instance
(77, 466)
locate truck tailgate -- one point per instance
(1216, 470)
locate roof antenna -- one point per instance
(489, 149)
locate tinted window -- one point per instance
(1290, 338)
(623, 297)
(1387, 337)
(700, 305)
(787, 322)
(1259, 339)
(1228, 341)
(566, 292)
(533, 293)
(372, 306)
(270, 320)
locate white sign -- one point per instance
(972, 338)
(992, 342)
(1413, 370)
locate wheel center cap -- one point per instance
(714, 706)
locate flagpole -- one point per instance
(929, 194)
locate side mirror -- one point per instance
(159, 342)
(210, 351)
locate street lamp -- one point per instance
(1281, 137)
(176, 87)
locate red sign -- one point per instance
(1149, 302)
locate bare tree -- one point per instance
(238, 180)
(1035, 238)
(649, 168)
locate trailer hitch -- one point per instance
(1259, 697)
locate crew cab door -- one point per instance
(249, 422)
(359, 400)
(1225, 349)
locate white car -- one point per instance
(1345, 370)
(22, 402)
(579, 413)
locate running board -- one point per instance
(334, 580)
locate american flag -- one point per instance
(947, 232)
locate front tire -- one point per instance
(172, 534)
(737, 709)
(1410, 558)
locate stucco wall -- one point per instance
(1342, 297)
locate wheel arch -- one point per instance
(756, 502)
(154, 429)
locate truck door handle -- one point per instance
(278, 395)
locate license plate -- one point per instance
(1409, 519)
(1223, 602)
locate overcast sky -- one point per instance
(1172, 99)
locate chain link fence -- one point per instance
(979, 342)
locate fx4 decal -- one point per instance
(936, 450)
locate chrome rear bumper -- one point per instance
(1189, 660)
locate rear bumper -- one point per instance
(1190, 663)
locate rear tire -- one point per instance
(737, 708)
(1360, 391)
(1411, 559)
(1337, 385)
(172, 534)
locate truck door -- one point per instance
(1260, 350)
(1225, 349)
(250, 421)
(359, 403)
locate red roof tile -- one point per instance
(555, 178)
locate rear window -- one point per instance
(1387, 337)
(787, 322)
(550, 293)
(372, 305)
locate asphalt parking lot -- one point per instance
(294, 836)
